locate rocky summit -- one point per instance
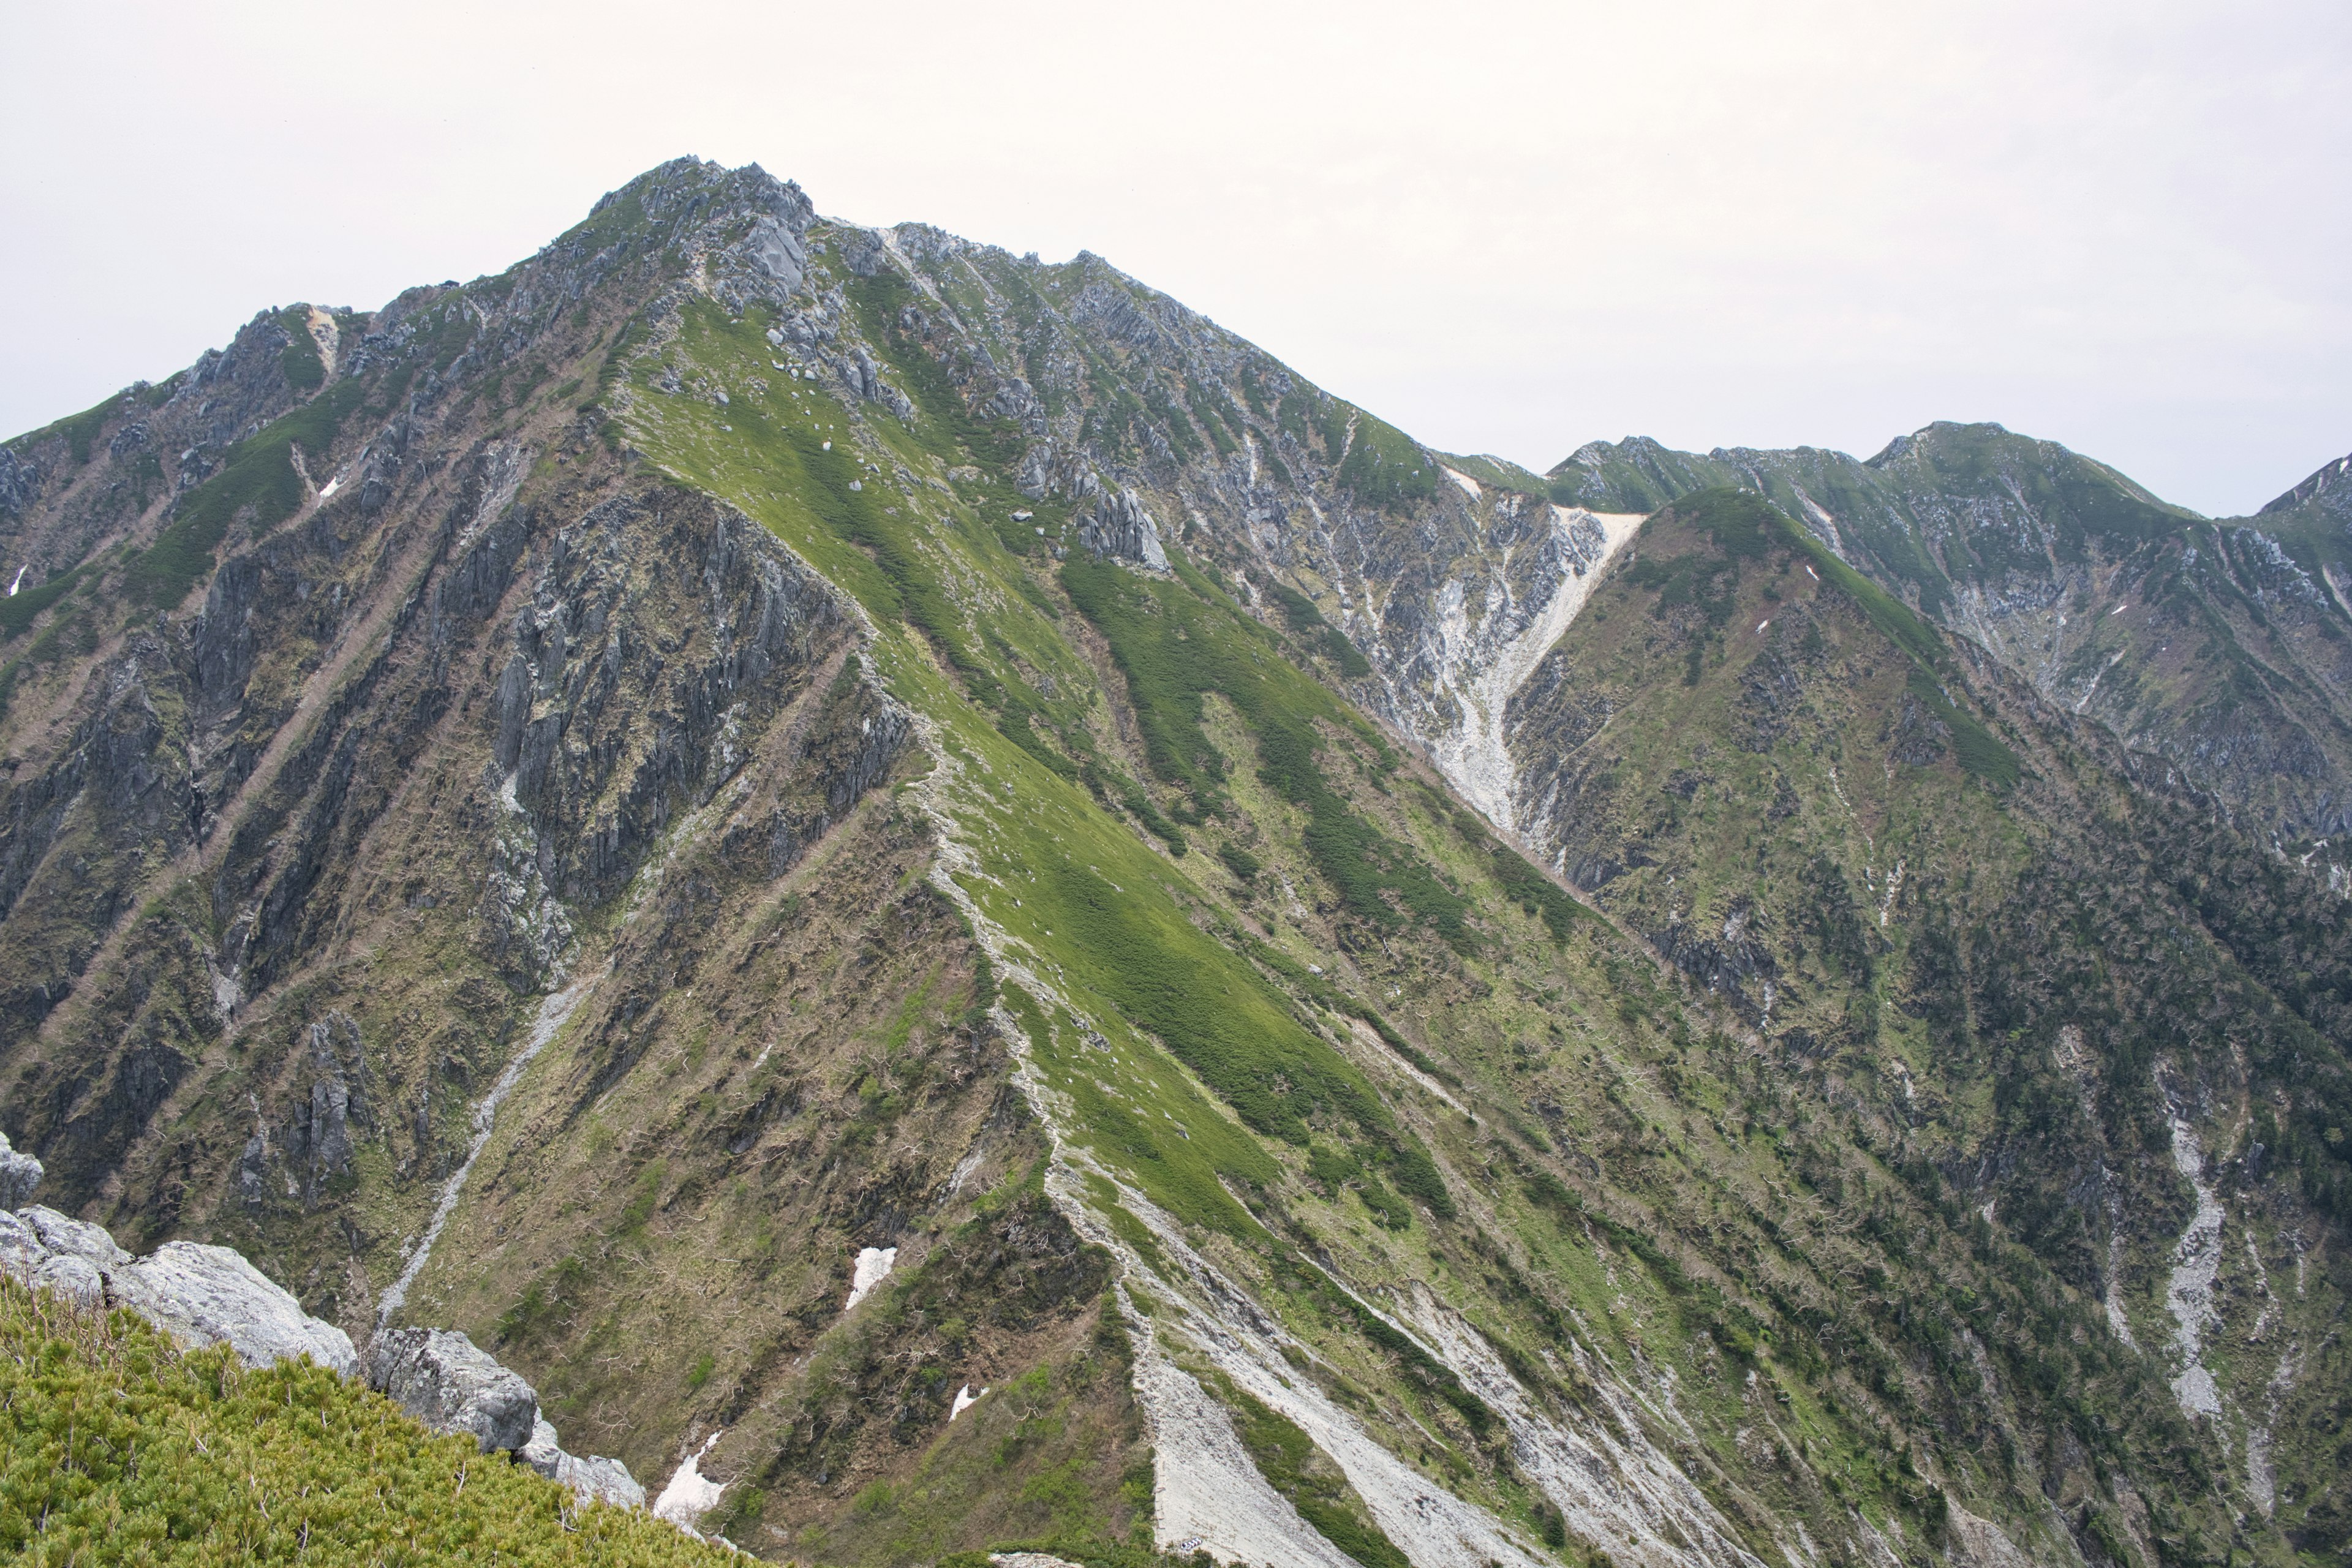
(945, 909)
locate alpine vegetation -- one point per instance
(950, 913)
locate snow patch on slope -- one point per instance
(1481, 677)
(690, 1494)
(874, 1265)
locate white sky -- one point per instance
(1505, 227)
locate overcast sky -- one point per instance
(1504, 227)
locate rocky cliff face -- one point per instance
(783, 823)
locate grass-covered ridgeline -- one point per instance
(123, 1448)
(1175, 642)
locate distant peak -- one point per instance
(2330, 480)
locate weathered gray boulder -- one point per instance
(211, 1295)
(442, 1379)
(24, 1254)
(20, 1174)
(68, 1276)
(200, 1295)
(73, 1238)
(19, 1247)
(592, 1477)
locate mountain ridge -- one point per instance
(931, 721)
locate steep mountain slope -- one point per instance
(857, 852)
(2221, 646)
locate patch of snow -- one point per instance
(2119, 609)
(2189, 1291)
(553, 1014)
(1469, 486)
(330, 487)
(690, 1494)
(874, 1265)
(17, 580)
(964, 1399)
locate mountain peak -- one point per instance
(2330, 480)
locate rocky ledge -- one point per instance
(202, 1295)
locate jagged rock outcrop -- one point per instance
(445, 1380)
(199, 1294)
(451, 1385)
(212, 1295)
(1119, 529)
(591, 1477)
(205, 1295)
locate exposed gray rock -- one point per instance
(1119, 529)
(544, 1450)
(213, 1296)
(20, 481)
(776, 250)
(24, 1254)
(201, 1295)
(68, 1276)
(444, 1380)
(593, 1478)
(73, 1238)
(20, 1174)
(19, 1247)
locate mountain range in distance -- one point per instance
(963, 916)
